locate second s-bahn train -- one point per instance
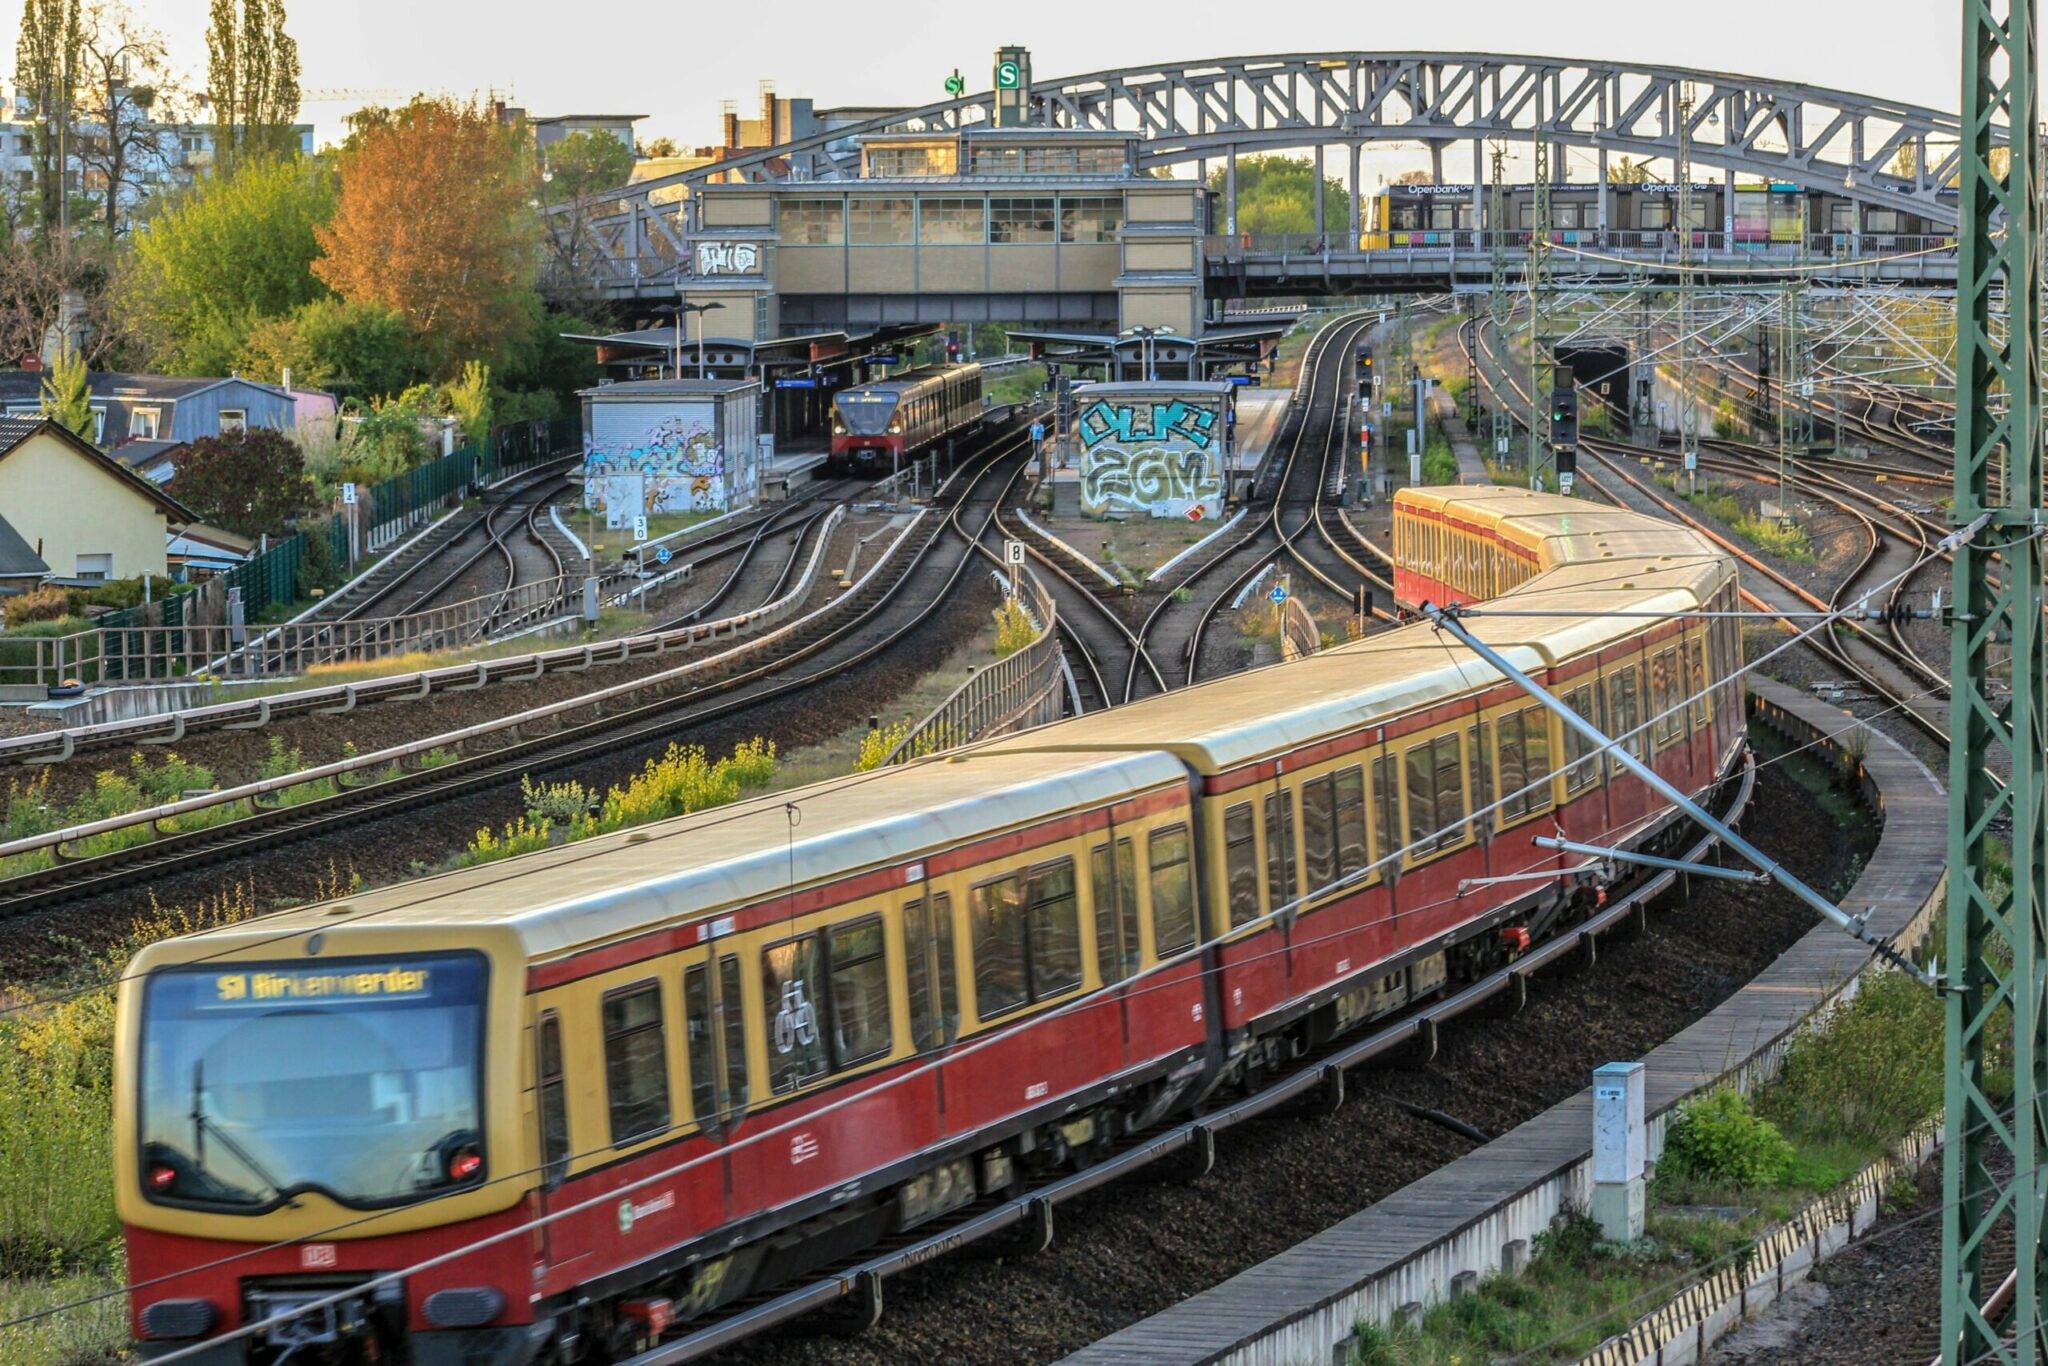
(1641, 216)
(548, 1109)
(877, 425)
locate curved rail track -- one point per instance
(888, 606)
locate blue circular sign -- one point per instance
(661, 554)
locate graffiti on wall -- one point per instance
(676, 465)
(1150, 458)
(728, 258)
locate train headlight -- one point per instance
(162, 1176)
(468, 1307)
(895, 429)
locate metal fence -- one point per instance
(145, 641)
(1299, 634)
(1020, 690)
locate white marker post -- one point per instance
(1618, 1150)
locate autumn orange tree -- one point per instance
(435, 221)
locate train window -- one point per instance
(1054, 917)
(1581, 769)
(928, 970)
(1351, 851)
(792, 997)
(700, 1042)
(1173, 892)
(1479, 776)
(1318, 833)
(635, 1063)
(732, 1020)
(1625, 712)
(554, 1099)
(1524, 764)
(1666, 699)
(1696, 683)
(997, 925)
(860, 992)
(1241, 863)
(1279, 849)
(1436, 795)
(1386, 810)
(1116, 910)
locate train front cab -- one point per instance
(396, 1077)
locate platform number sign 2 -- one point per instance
(1009, 75)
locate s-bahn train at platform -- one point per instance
(553, 1108)
(1642, 217)
(878, 425)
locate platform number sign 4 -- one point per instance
(1009, 75)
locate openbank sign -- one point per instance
(366, 984)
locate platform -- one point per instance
(1407, 1248)
(789, 466)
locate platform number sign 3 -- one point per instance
(1009, 75)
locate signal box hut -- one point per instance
(671, 445)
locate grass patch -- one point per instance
(1018, 385)
(1786, 540)
(1439, 464)
(78, 1337)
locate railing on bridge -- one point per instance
(1022, 689)
(1649, 245)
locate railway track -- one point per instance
(1295, 518)
(888, 606)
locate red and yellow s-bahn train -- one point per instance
(544, 1109)
(877, 425)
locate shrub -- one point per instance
(1872, 1072)
(1718, 1139)
(876, 745)
(1014, 628)
(40, 604)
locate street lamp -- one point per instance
(1147, 353)
(698, 309)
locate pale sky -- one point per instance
(676, 61)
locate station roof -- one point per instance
(1211, 387)
(637, 389)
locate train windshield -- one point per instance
(360, 1078)
(866, 414)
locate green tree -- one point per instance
(48, 57)
(253, 483)
(360, 349)
(1628, 171)
(252, 79)
(469, 400)
(552, 363)
(232, 251)
(1278, 194)
(584, 164)
(67, 394)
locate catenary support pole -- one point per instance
(1991, 1161)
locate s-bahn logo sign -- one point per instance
(728, 258)
(796, 1022)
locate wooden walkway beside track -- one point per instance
(1409, 1247)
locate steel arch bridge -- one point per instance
(1819, 138)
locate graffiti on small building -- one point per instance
(675, 465)
(728, 258)
(1150, 457)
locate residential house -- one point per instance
(84, 513)
(20, 567)
(161, 407)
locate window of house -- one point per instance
(1279, 849)
(950, 221)
(875, 221)
(1021, 219)
(554, 1100)
(99, 425)
(1114, 878)
(1090, 218)
(95, 566)
(928, 963)
(233, 421)
(1026, 932)
(1173, 892)
(813, 222)
(1241, 863)
(142, 423)
(635, 1063)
